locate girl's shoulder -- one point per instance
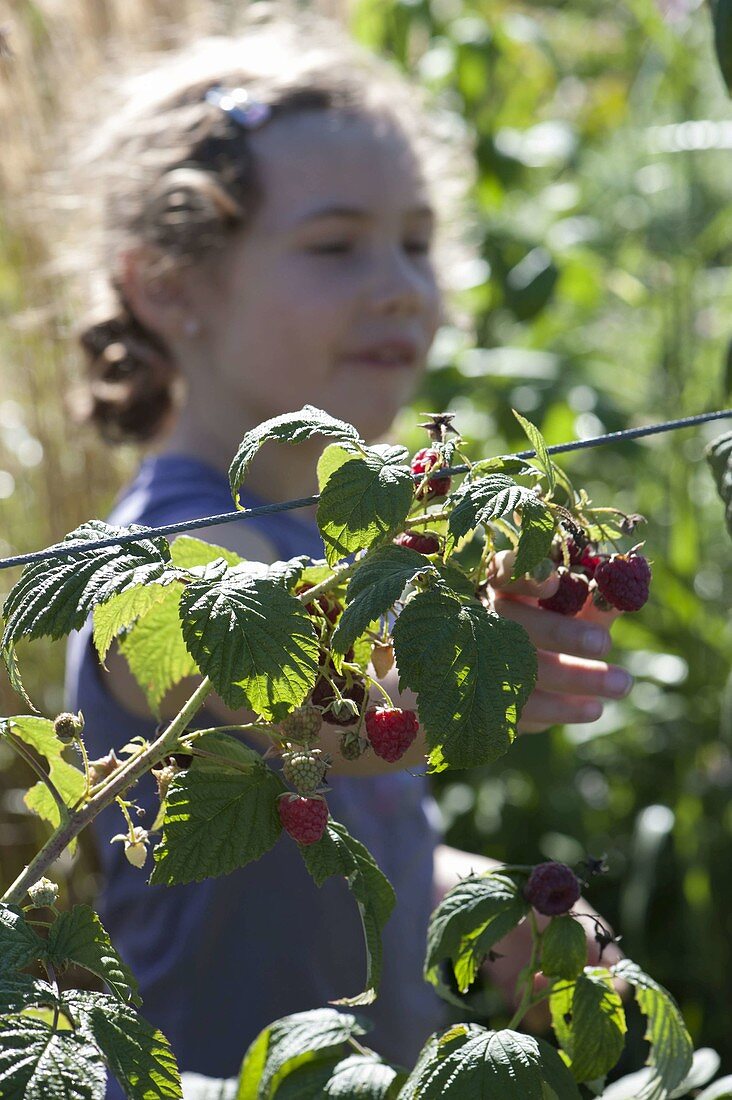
(172, 488)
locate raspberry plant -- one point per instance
(405, 580)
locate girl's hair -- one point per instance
(171, 170)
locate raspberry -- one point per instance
(570, 597)
(391, 731)
(422, 463)
(623, 581)
(552, 888)
(326, 604)
(324, 696)
(352, 746)
(302, 726)
(305, 771)
(68, 727)
(423, 544)
(303, 818)
(589, 561)
(382, 658)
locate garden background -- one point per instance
(601, 295)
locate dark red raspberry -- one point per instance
(589, 560)
(423, 544)
(324, 696)
(422, 463)
(326, 604)
(574, 551)
(552, 889)
(303, 818)
(391, 731)
(570, 597)
(624, 581)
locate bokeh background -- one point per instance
(601, 295)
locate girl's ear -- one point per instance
(155, 293)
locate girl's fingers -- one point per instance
(559, 672)
(500, 577)
(554, 632)
(550, 708)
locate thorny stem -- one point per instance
(85, 758)
(120, 780)
(528, 994)
(43, 776)
(425, 517)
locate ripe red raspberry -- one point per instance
(390, 731)
(623, 581)
(589, 560)
(422, 463)
(302, 726)
(304, 819)
(570, 597)
(552, 888)
(423, 544)
(305, 771)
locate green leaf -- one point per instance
(254, 640)
(374, 588)
(478, 502)
(21, 991)
(138, 1054)
(543, 461)
(563, 948)
(19, 944)
(334, 455)
(722, 22)
(362, 1076)
(480, 1063)
(189, 553)
(39, 734)
(37, 1063)
(671, 1046)
(537, 529)
(308, 1080)
(290, 1042)
(77, 936)
(219, 815)
(155, 651)
(338, 853)
(471, 917)
(588, 1020)
(294, 427)
(719, 456)
(121, 611)
(472, 672)
(54, 596)
(502, 464)
(364, 500)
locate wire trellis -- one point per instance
(60, 551)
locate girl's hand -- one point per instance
(571, 682)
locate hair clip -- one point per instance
(247, 112)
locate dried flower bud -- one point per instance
(135, 845)
(43, 893)
(68, 727)
(382, 658)
(103, 767)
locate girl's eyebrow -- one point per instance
(358, 213)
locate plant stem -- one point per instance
(119, 782)
(528, 994)
(426, 517)
(44, 776)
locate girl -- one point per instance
(270, 233)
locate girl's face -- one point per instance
(329, 297)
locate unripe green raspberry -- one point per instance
(352, 746)
(43, 893)
(344, 710)
(68, 727)
(305, 771)
(302, 726)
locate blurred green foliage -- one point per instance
(601, 293)
(603, 136)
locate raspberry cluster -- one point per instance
(620, 581)
(423, 462)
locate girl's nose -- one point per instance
(400, 285)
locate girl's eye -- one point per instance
(330, 248)
(419, 247)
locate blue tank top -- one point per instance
(219, 960)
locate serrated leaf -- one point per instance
(373, 590)
(138, 1054)
(78, 936)
(121, 611)
(362, 1076)
(563, 948)
(364, 500)
(719, 456)
(478, 502)
(68, 779)
(470, 918)
(471, 670)
(588, 1020)
(294, 427)
(54, 596)
(187, 552)
(155, 651)
(334, 455)
(543, 461)
(218, 815)
(705, 1063)
(338, 853)
(671, 1046)
(19, 992)
(37, 1063)
(503, 1064)
(502, 464)
(19, 943)
(290, 1042)
(308, 1081)
(535, 540)
(253, 639)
